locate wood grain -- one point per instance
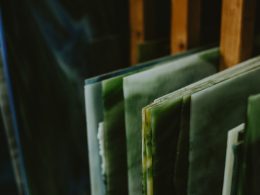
(237, 31)
(186, 23)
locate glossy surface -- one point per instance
(214, 111)
(113, 114)
(142, 88)
(178, 102)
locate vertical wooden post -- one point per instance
(185, 29)
(237, 31)
(136, 27)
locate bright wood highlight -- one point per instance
(237, 31)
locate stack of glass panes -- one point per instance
(174, 126)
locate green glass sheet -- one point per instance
(94, 111)
(95, 115)
(97, 112)
(114, 130)
(252, 140)
(114, 136)
(175, 106)
(214, 111)
(142, 88)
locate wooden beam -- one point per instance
(186, 22)
(136, 27)
(237, 31)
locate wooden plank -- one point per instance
(186, 23)
(136, 27)
(237, 31)
(150, 25)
